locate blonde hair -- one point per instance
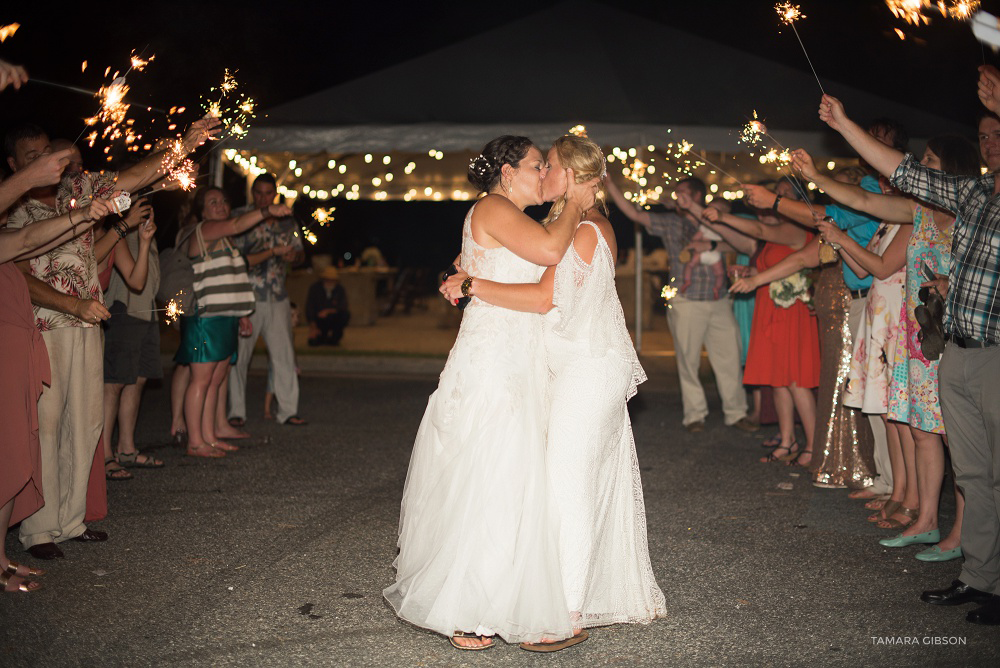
(586, 160)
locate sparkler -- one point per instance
(578, 130)
(8, 31)
(684, 148)
(912, 11)
(668, 292)
(324, 216)
(789, 14)
(171, 312)
(237, 114)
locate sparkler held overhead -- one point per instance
(789, 14)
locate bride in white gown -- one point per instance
(593, 473)
(477, 550)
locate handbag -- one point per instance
(177, 275)
(221, 284)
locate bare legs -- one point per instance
(930, 476)
(199, 407)
(222, 427)
(805, 405)
(15, 580)
(909, 496)
(178, 389)
(898, 466)
(788, 400)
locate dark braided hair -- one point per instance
(484, 169)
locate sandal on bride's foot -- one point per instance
(15, 583)
(225, 447)
(544, 646)
(470, 648)
(886, 511)
(22, 571)
(790, 453)
(909, 513)
(204, 450)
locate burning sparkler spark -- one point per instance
(324, 216)
(8, 31)
(310, 236)
(788, 13)
(753, 132)
(578, 130)
(668, 292)
(172, 311)
(235, 117)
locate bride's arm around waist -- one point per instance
(525, 297)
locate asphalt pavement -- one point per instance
(277, 555)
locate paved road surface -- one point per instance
(277, 556)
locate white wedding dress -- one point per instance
(594, 482)
(478, 549)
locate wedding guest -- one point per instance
(269, 249)
(697, 317)
(326, 309)
(969, 372)
(68, 307)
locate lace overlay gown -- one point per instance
(478, 548)
(592, 466)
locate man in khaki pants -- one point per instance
(699, 317)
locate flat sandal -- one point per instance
(909, 513)
(460, 634)
(886, 511)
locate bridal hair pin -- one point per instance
(480, 164)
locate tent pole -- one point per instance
(215, 168)
(638, 288)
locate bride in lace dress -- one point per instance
(591, 461)
(477, 550)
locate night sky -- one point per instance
(290, 49)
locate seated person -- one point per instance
(326, 309)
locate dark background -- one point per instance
(286, 50)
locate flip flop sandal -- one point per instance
(475, 648)
(131, 460)
(115, 471)
(555, 646)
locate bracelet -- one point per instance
(774, 207)
(121, 228)
(467, 287)
(265, 212)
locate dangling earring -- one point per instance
(508, 189)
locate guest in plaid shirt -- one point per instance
(969, 374)
(697, 316)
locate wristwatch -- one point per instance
(467, 287)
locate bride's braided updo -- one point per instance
(587, 161)
(484, 169)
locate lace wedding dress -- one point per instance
(594, 482)
(478, 550)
